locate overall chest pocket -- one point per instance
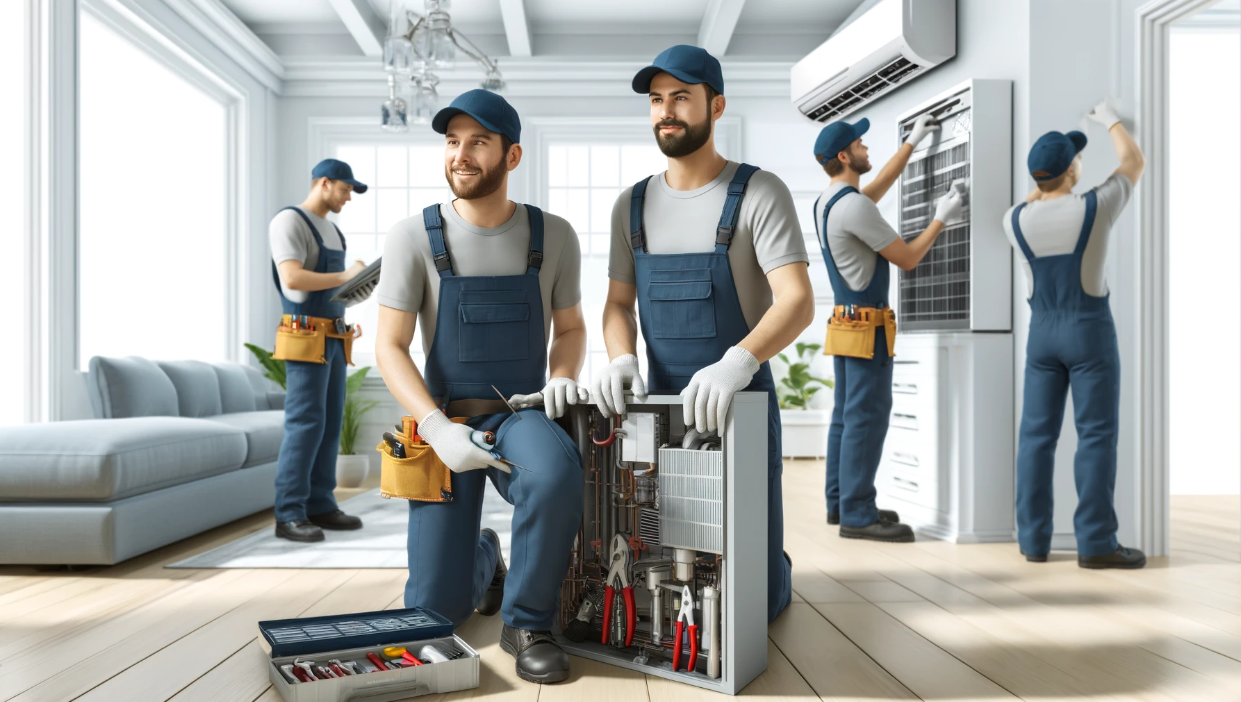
(682, 306)
(493, 332)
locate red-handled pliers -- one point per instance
(685, 616)
(618, 571)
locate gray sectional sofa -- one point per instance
(176, 448)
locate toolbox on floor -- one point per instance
(334, 658)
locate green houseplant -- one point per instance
(273, 366)
(798, 385)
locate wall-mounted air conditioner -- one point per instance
(883, 44)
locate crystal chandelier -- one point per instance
(417, 44)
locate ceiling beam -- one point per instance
(516, 27)
(716, 30)
(367, 28)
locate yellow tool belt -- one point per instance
(421, 475)
(854, 335)
(309, 344)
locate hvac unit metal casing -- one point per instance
(965, 281)
(883, 44)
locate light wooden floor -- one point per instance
(870, 622)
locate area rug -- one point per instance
(380, 543)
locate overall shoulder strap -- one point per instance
(1021, 239)
(732, 207)
(637, 235)
(814, 215)
(833, 272)
(534, 261)
(1092, 208)
(314, 231)
(435, 232)
(339, 233)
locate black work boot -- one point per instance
(833, 518)
(882, 530)
(539, 658)
(337, 520)
(299, 530)
(494, 596)
(1124, 558)
(1034, 557)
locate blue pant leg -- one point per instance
(868, 409)
(834, 432)
(1096, 405)
(547, 513)
(1042, 414)
(779, 573)
(323, 472)
(450, 563)
(304, 421)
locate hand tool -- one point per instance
(686, 616)
(289, 675)
(401, 652)
(579, 629)
(324, 672)
(302, 675)
(354, 668)
(337, 669)
(617, 571)
(487, 441)
(398, 449)
(431, 654)
(377, 661)
(506, 402)
(343, 669)
(305, 667)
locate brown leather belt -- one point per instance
(474, 408)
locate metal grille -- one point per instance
(648, 525)
(691, 499)
(936, 294)
(880, 81)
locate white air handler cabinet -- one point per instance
(694, 513)
(948, 462)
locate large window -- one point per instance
(154, 229)
(15, 238)
(583, 181)
(402, 179)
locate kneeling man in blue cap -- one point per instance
(1062, 238)
(857, 244)
(492, 284)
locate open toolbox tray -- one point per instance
(349, 637)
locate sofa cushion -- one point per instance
(264, 432)
(198, 390)
(236, 393)
(130, 387)
(108, 459)
(263, 386)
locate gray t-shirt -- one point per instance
(291, 240)
(1052, 227)
(410, 282)
(768, 234)
(855, 233)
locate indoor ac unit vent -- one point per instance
(867, 89)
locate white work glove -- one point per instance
(361, 294)
(924, 125)
(949, 206)
(451, 442)
(556, 397)
(609, 388)
(705, 401)
(1104, 114)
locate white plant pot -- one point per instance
(351, 470)
(804, 433)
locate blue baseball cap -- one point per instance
(688, 64)
(332, 169)
(489, 109)
(836, 137)
(1053, 153)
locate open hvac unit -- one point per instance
(689, 514)
(884, 43)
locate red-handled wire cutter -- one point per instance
(617, 571)
(685, 616)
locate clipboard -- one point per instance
(368, 275)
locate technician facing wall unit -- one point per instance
(884, 43)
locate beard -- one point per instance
(861, 168)
(687, 142)
(486, 183)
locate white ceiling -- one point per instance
(568, 25)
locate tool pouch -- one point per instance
(889, 327)
(306, 345)
(847, 337)
(347, 339)
(420, 476)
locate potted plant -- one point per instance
(804, 432)
(351, 468)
